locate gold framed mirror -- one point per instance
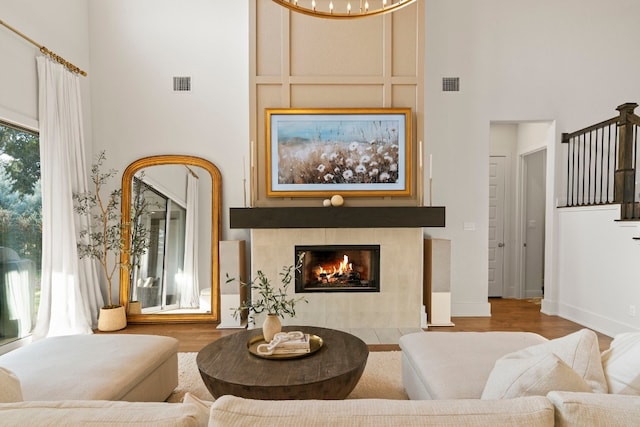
(171, 217)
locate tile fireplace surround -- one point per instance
(399, 302)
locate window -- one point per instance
(20, 231)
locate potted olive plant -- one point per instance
(139, 234)
(101, 239)
(265, 298)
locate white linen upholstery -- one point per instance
(579, 350)
(595, 409)
(96, 367)
(621, 364)
(97, 413)
(10, 390)
(455, 365)
(531, 376)
(239, 412)
(204, 406)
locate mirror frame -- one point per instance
(216, 228)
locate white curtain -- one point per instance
(17, 277)
(70, 293)
(190, 288)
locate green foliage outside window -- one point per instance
(20, 195)
(20, 231)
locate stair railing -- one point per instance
(601, 163)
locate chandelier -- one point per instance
(345, 9)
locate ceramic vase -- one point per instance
(271, 326)
(112, 319)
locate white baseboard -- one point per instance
(441, 324)
(602, 324)
(239, 325)
(549, 307)
(533, 294)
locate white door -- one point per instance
(496, 225)
(534, 169)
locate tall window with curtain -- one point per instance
(70, 296)
(20, 231)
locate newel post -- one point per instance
(624, 178)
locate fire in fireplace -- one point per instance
(328, 268)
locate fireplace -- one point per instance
(338, 268)
(397, 303)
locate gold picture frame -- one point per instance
(349, 151)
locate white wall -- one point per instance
(61, 26)
(598, 269)
(137, 47)
(517, 61)
(563, 62)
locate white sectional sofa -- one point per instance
(529, 383)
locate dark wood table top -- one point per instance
(227, 367)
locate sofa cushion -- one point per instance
(112, 367)
(531, 376)
(204, 406)
(100, 413)
(238, 412)
(595, 409)
(10, 390)
(455, 365)
(621, 364)
(579, 350)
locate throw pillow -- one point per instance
(531, 376)
(10, 390)
(579, 350)
(621, 364)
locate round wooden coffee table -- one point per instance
(227, 367)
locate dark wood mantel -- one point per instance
(338, 217)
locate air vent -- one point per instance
(451, 84)
(182, 84)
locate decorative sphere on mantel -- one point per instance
(326, 203)
(337, 200)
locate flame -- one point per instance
(330, 273)
(345, 265)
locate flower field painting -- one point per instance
(323, 152)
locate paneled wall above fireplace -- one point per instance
(303, 62)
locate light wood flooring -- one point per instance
(520, 315)
(506, 315)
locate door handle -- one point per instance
(501, 245)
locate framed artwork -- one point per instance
(354, 152)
